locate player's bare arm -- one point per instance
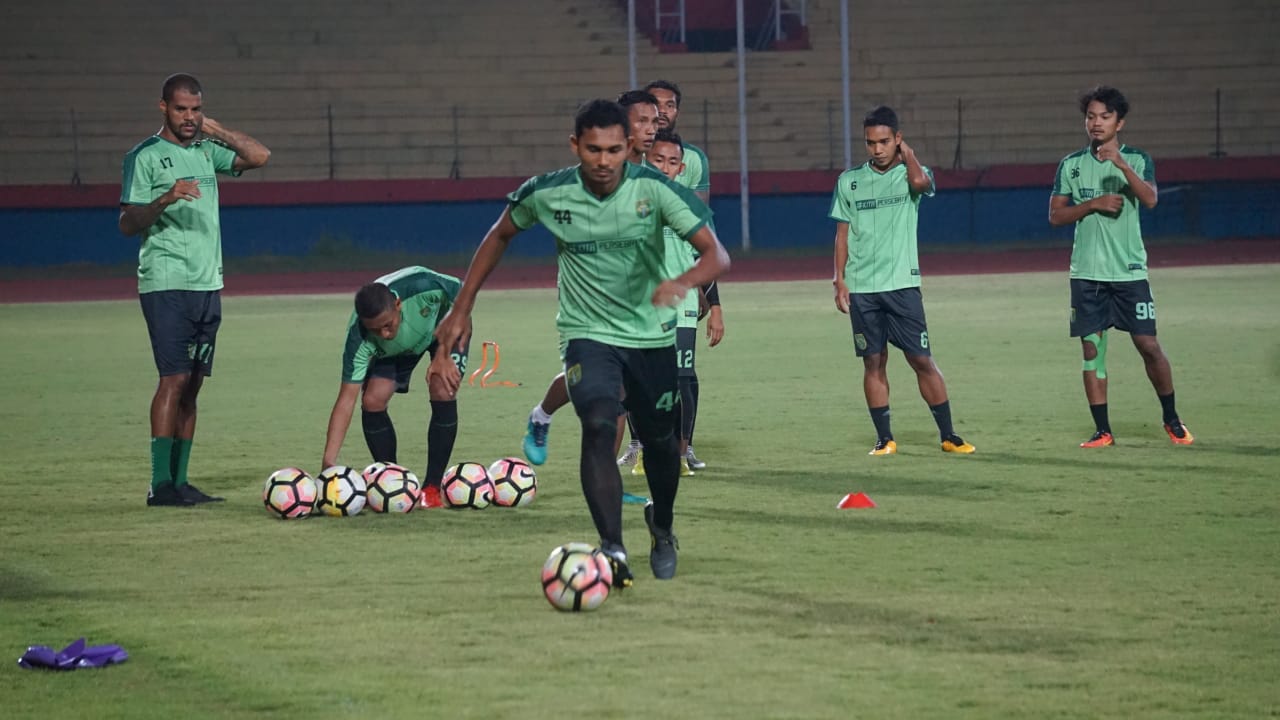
(1062, 212)
(1146, 192)
(713, 261)
(842, 257)
(339, 421)
(917, 178)
(250, 153)
(455, 327)
(136, 218)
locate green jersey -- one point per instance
(696, 174)
(611, 251)
(882, 212)
(425, 296)
(182, 250)
(1106, 248)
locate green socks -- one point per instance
(162, 461)
(181, 458)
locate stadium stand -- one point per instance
(484, 88)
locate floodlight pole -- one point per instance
(744, 189)
(845, 82)
(631, 42)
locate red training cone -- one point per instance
(855, 500)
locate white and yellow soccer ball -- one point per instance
(467, 485)
(340, 491)
(576, 577)
(289, 493)
(393, 489)
(514, 482)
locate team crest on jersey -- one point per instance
(428, 309)
(573, 375)
(643, 208)
(860, 341)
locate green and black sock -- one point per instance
(1168, 408)
(161, 462)
(181, 458)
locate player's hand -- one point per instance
(905, 150)
(669, 294)
(715, 327)
(1108, 204)
(444, 374)
(454, 329)
(842, 296)
(210, 127)
(182, 190)
(1110, 152)
(326, 463)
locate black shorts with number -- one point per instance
(595, 372)
(896, 316)
(1126, 305)
(183, 326)
(400, 367)
(686, 345)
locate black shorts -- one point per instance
(896, 316)
(646, 378)
(183, 325)
(400, 367)
(1126, 305)
(686, 344)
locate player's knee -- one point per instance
(370, 403)
(1094, 346)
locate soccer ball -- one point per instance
(393, 489)
(576, 577)
(514, 483)
(467, 485)
(372, 471)
(340, 491)
(289, 493)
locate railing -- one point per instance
(471, 141)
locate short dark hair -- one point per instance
(374, 299)
(636, 97)
(665, 85)
(1112, 98)
(180, 81)
(600, 113)
(669, 136)
(881, 115)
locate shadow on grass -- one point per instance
(896, 626)
(18, 586)
(840, 523)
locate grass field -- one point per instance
(1031, 580)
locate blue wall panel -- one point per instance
(963, 217)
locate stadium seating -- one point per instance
(487, 87)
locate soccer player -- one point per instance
(616, 318)
(169, 197)
(390, 330)
(1099, 188)
(696, 175)
(642, 114)
(667, 155)
(877, 274)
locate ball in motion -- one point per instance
(467, 485)
(393, 489)
(340, 491)
(514, 483)
(290, 493)
(576, 577)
